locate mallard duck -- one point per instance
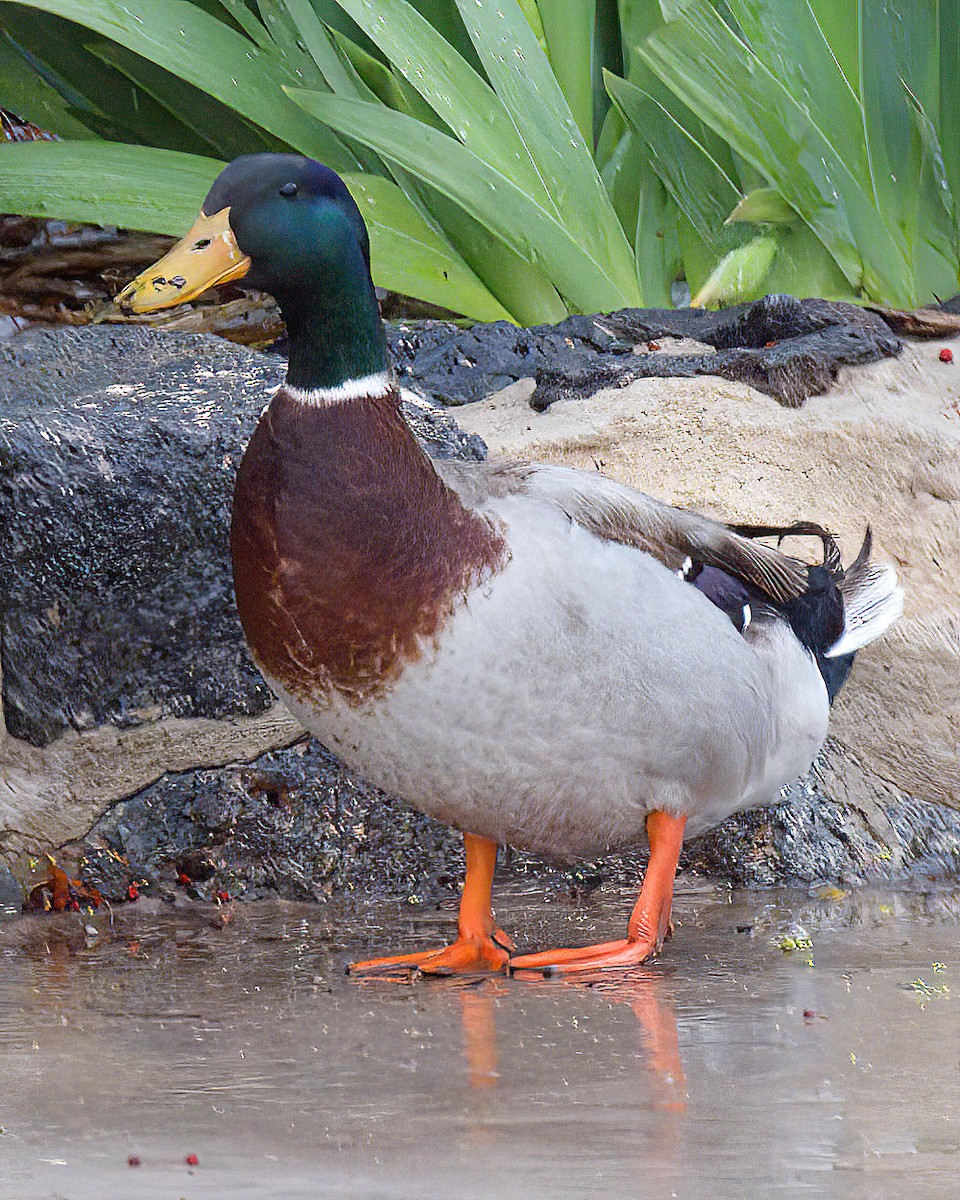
(535, 655)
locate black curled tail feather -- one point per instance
(831, 551)
(842, 608)
(838, 611)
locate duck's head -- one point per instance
(289, 226)
(283, 222)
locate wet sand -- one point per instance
(727, 1069)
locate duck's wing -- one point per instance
(619, 513)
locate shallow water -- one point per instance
(699, 1076)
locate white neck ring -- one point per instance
(365, 387)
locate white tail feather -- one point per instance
(872, 601)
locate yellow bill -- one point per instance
(208, 255)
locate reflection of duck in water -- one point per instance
(533, 654)
(643, 993)
(659, 1033)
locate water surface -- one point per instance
(729, 1068)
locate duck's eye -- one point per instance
(202, 244)
(288, 189)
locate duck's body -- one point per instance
(550, 686)
(533, 654)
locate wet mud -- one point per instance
(784, 1045)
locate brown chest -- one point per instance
(349, 552)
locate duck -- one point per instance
(538, 656)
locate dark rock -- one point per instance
(808, 838)
(297, 825)
(11, 893)
(118, 450)
(293, 824)
(778, 318)
(790, 370)
(788, 348)
(594, 372)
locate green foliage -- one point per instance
(522, 159)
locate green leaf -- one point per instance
(698, 184)
(638, 20)
(764, 205)
(106, 101)
(645, 210)
(740, 275)
(897, 50)
(787, 38)
(161, 191)
(375, 80)
(522, 288)
(717, 75)
(464, 101)
(286, 38)
(217, 130)
(657, 245)
(183, 39)
(608, 138)
(445, 18)
(410, 257)
(936, 245)
(949, 109)
(803, 267)
(322, 48)
(840, 27)
(33, 98)
(521, 76)
(248, 23)
(106, 183)
(568, 29)
(490, 197)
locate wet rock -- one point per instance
(294, 823)
(118, 451)
(790, 371)
(810, 837)
(787, 348)
(11, 893)
(120, 651)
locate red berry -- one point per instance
(946, 355)
(133, 893)
(184, 880)
(223, 897)
(192, 1160)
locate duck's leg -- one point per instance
(480, 945)
(649, 922)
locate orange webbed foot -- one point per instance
(473, 955)
(480, 949)
(622, 953)
(649, 924)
